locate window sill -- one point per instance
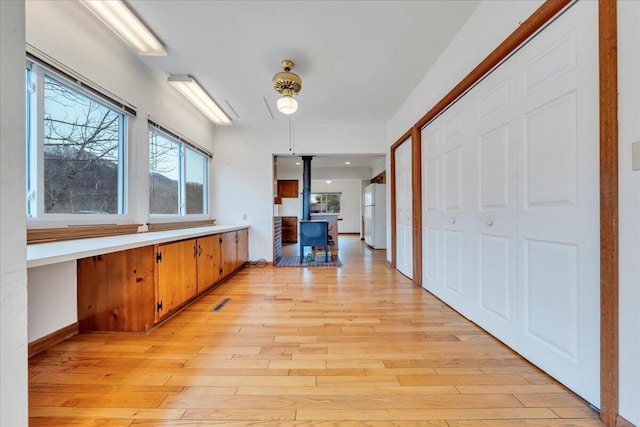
(162, 226)
(74, 232)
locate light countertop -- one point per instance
(40, 254)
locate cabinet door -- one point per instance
(116, 291)
(229, 253)
(208, 262)
(177, 275)
(288, 188)
(131, 290)
(93, 293)
(242, 247)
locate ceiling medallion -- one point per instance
(287, 84)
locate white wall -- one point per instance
(243, 166)
(629, 198)
(13, 265)
(53, 298)
(349, 201)
(65, 31)
(490, 24)
(379, 167)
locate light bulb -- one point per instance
(287, 105)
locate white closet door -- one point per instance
(445, 173)
(558, 213)
(492, 196)
(404, 212)
(511, 202)
(433, 219)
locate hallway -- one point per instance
(302, 346)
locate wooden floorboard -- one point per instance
(357, 345)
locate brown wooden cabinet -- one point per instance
(116, 291)
(209, 265)
(133, 290)
(242, 247)
(228, 254)
(176, 275)
(287, 188)
(235, 250)
(289, 229)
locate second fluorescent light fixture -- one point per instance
(116, 15)
(190, 88)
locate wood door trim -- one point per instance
(416, 181)
(609, 268)
(392, 157)
(609, 316)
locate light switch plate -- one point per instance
(635, 155)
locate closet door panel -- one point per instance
(404, 212)
(496, 276)
(432, 212)
(550, 153)
(493, 228)
(495, 158)
(551, 290)
(558, 212)
(453, 260)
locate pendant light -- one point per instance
(287, 84)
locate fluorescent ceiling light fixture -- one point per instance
(191, 90)
(116, 15)
(297, 163)
(347, 163)
(328, 182)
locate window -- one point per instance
(178, 175)
(75, 149)
(325, 202)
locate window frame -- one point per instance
(325, 194)
(183, 145)
(34, 115)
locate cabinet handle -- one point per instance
(490, 223)
(199, 250)
(453, 220)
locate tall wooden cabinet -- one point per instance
(133, 290)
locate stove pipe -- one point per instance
(306, 187)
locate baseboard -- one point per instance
(53, 338)
(623, 422)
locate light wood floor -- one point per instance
(357, 345)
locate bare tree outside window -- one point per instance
(195, 174)
(82, 144)
(164, 174)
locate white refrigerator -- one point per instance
(375, 199)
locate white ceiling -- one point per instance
(358, 60)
